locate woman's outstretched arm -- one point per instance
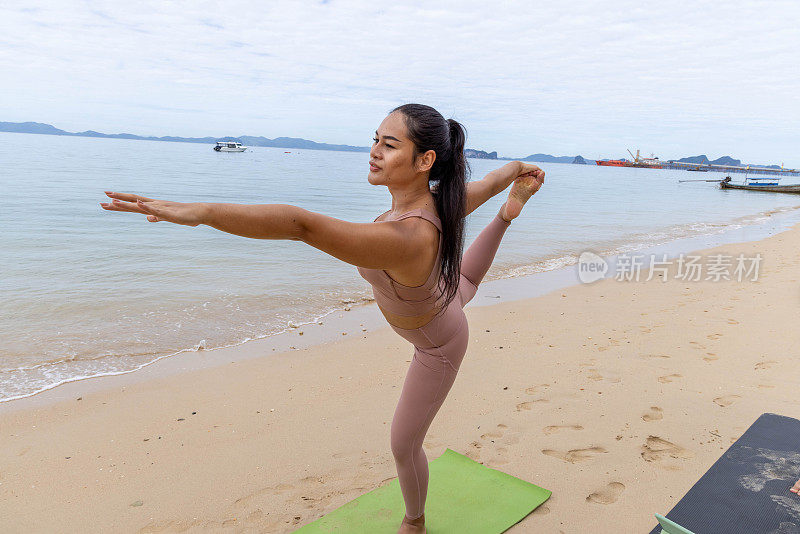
(256, 221)
(381, 245)
(495, 182)
(374, 245)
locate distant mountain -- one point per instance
(547, 158)
(31, 127)
(249, 140)
(703, 160)
(296, 142)
(479, 154)
(724, 160)
(727, 160)
(280, 142)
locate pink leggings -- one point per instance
(439, 347)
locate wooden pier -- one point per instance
(729, 168)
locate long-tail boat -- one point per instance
(771, 186)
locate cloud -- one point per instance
(563, 78)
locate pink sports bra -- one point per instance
(401, 299)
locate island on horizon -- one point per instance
(297, 142)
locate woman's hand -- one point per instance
(187, 213)
(497, 181)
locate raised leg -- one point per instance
(479, 257)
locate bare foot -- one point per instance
(412, 526)
(524, 186)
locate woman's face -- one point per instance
(391, 159)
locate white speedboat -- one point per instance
(229, 146)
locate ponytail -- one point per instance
(429, 130)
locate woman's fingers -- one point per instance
(125, 202)
(130, 197)
(119, 206)
(131, 208)
(190, 214)
(127, 206)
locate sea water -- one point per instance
(89, 292)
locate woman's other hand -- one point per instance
(186, 213)
(526, 169)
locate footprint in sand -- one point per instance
(653, 356)
(541, 510)
(710, 357)
(656, 449)
(666, 379)
(760, 366)
(594, 374)
(552, 429)
(277, 489)
(653, 414)
(494, 434)
(528, 405)
(575, 456)
(611, 343)
(533, 390)
(726, 400)
(608, 494)
(492, 446)
(714, 336)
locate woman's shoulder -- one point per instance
(424, 213)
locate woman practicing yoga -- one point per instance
(411, 255)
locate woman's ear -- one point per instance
(425, 161)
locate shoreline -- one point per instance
(616, 396)
(364, 317)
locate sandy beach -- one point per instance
(616, 396)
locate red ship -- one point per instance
(614, 163)
(649, 163)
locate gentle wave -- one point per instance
(54, 374)
(641, 242)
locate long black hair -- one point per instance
(429, 130)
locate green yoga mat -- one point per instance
(463, 497)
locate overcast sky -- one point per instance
(562, 78)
